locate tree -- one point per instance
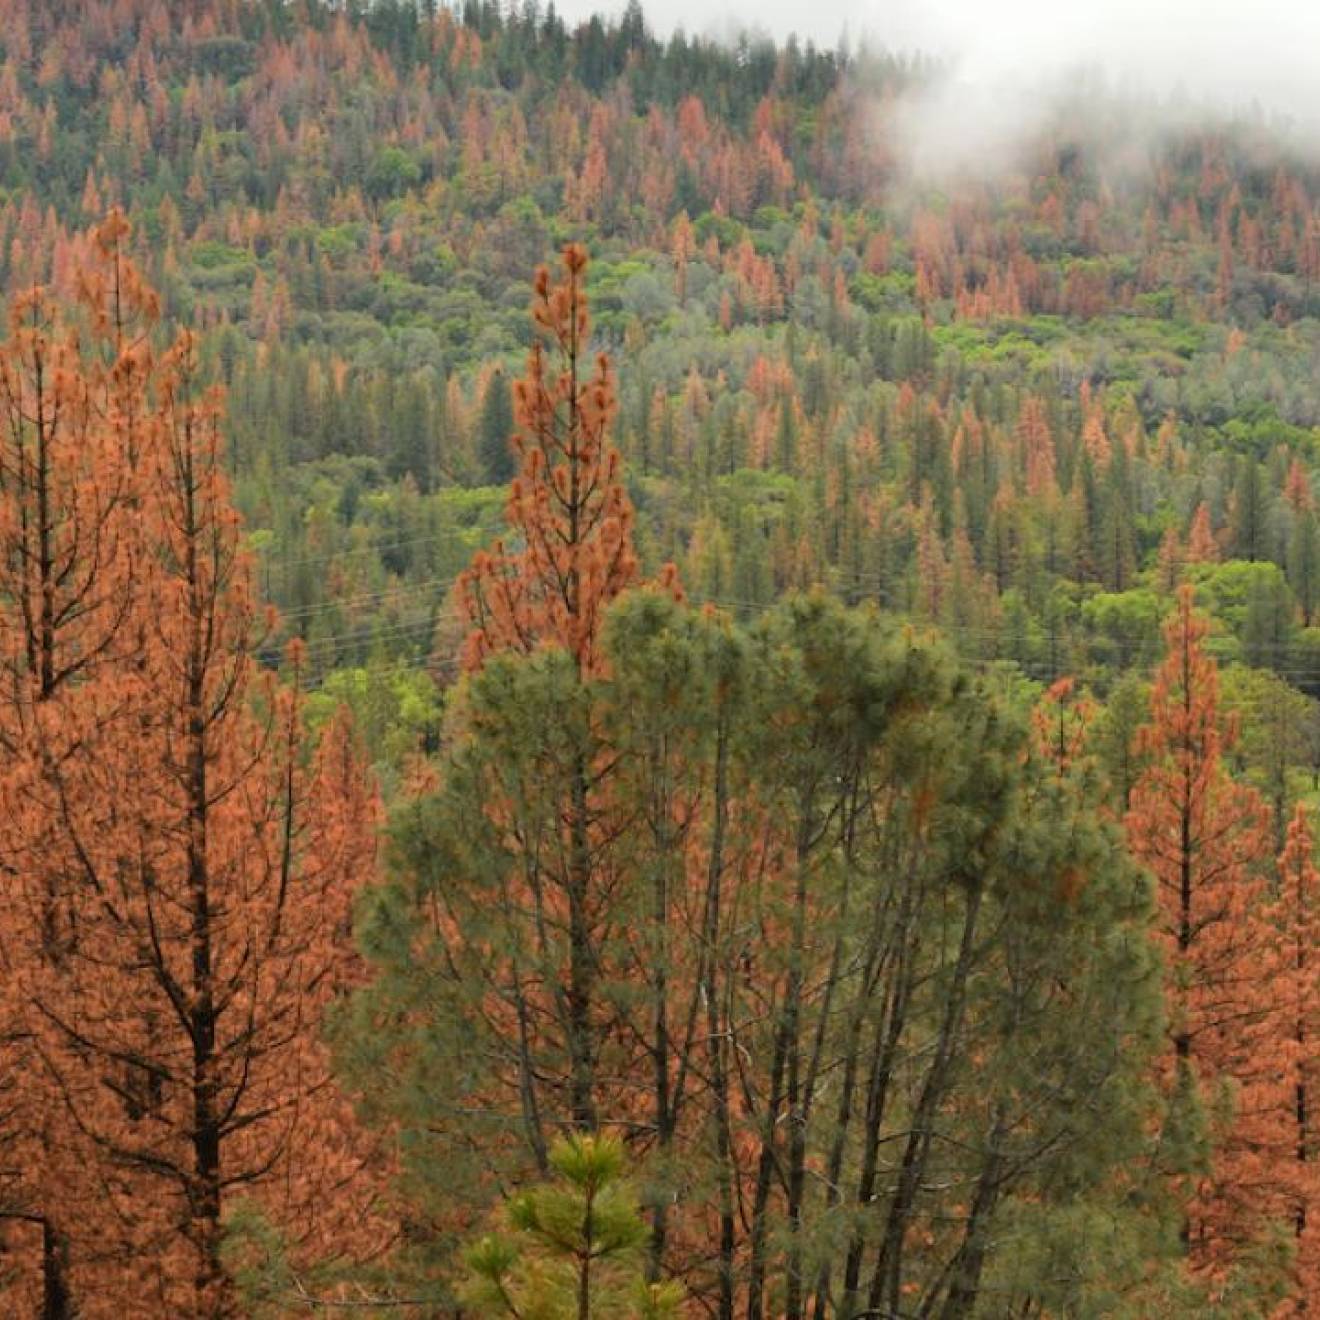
(571, 1249)
(1202, 836)
(1269, 623)
(574, 522)
(496, 430)
(203, 863)
(1295, 915)
(1304, 562)
(1270, 721)
(70, 449)
(567, 503)
(1115, 738)
(392, 172)
(1201, 545)
(1248, 512)
(683, 246)
(1115, 553)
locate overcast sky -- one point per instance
(1234, 53)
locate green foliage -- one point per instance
(571, 1248)
(1127, 624)
(497, 454)
(812, 711)
(392, 172)
(1270, 744)
(1254, 600)
(397, 712)
(255, 1255)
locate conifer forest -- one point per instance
(622, 696)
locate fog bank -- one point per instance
(1013, 62)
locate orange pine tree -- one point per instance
(573, 521)
(201, 872)
(1061, 721)
(567, 505)
(1201, 545)
(1203, 837)
(69, 442)
(1297, 996)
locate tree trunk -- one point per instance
(581, 970)
(764, 1171)
(888, 1034)
(886, 1284)
(205, 1208)
(716, 1033)
(56, 1302)
(969, 1261)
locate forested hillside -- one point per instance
(777, 784)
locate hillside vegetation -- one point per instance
(807, 737)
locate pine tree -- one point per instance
(496, 430)
(574, 524)
(567, 504)
(1297, 994)
(1201, 545)
(571, 1248)
(1304, 563)
(1248, 512)
(188, 924)
(1202, 836)
(70, 448)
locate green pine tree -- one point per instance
(570, 1249)
(496, 432)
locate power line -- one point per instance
(1037, 668)
(410, 592)
(405, 589)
